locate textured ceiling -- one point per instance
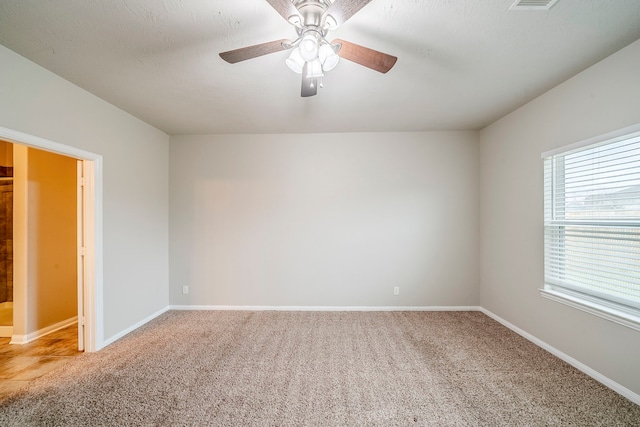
(461, 63)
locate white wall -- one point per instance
(601, 99)
(135, 159)
(325, 219)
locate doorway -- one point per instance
(42, 226)
(6, 239)
(88, 297)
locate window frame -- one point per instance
(621, 314)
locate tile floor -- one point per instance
(20, 364)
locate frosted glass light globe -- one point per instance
(309, 48)
(295, 61)
(328, 57)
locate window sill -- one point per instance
(617, 316)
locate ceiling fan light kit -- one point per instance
(308, 47)
(328, 56)
(320, 55)
(295, 61)
(311, 54)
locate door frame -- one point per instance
(92, 286)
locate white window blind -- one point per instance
(592, 223)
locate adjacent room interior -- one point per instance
(237, 199)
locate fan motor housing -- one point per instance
(312, 12)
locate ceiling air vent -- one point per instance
(532, 4)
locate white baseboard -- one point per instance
(618, 388)
(321, 308)
(6, 331)
(132, 328)
(24, 339)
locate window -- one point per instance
(592, 227)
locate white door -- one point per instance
(81, 252)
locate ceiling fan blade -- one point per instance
(364, 56)
(249, 52)
(284, 7)
(309, 84)
(342, 10)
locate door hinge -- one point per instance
(81, 320)
(83, 251)
(83, 181)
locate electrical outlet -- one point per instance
(185, 290)
(396, 290)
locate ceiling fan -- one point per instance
(311, 53)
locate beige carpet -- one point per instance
(319, 368)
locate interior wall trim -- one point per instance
(132, 328)
(24, 339)
(618, 388)
(321, 308)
